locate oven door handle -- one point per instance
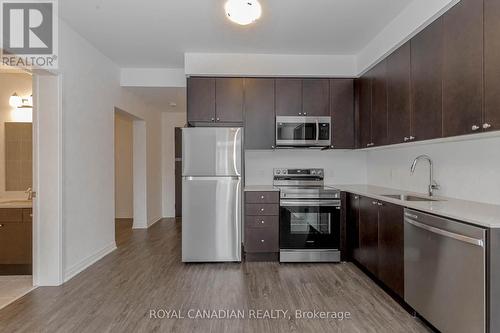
(310, 203)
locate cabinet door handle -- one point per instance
(262, 197)
(300, 113)
(272, 147)
(406, 138)
(262, 241)
(475, 127)
(412, 138)
(305, 113)
(262, 209)
(380, 204)
(1, 225)
(374, 202)
(213, 119)
(263, 222)
(486, 125)
(356, 197)
(218, 119)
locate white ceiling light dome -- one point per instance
(243, 12)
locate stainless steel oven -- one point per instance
(309, 216)
(303, 132)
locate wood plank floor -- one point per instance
(117, 293)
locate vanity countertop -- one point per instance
(477, 213)
(15, 203)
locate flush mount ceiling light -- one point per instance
(243, 12)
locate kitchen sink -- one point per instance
(404, 197)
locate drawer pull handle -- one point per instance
(262, 209)
(1, 225)
(262, 197)
(262, 241)
(262, 222)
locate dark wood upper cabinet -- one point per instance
(201, 99)
(427, 78)
(364, 110)
(289, 97)
(379, 104)
(342, 113)
(367, 253)
(391, 247)
(398, 95)
(491, 65)
(259, 114)
(229, 99)
(315, 97)
(463, 68)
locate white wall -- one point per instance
(232, 64)
(341, 167)
(124, 189)
(170, 120)
(90, 92)
(22, 84)
(467, 170)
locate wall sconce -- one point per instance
(15, 101)
(23, 108)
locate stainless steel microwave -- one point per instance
(303, 131)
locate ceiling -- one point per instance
(156, 33)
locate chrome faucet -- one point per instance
(29, 192)
(432, 183)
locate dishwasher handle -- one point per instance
(449, 234)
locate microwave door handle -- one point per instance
(317, 130)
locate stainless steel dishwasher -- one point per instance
(445, 272)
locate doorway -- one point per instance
(130, 175)
(16, 183)
(124, 183)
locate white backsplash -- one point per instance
(341, 167)
(468, 170)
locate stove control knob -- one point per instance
(313, 172)
(320, 172)
(285, 172)
(278, 172)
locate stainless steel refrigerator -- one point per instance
(211, 194)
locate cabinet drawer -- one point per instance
(11, 215)
(262, 197)
(262, 209)
(261, 222)
(262, 240)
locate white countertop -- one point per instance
(481, 214)
(261, 188)
(15, 203)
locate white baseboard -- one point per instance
(87, 262)
(155, 221)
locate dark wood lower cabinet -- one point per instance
(367, 252)
(376, 239)
(15, 241)
(391, 247)
(261, 226)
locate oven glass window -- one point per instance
(309, 227)
(296, 131)
(310, 223)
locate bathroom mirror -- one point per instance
(18, 156)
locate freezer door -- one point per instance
(211, 151)
(211, 219)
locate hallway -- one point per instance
(145, 273)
